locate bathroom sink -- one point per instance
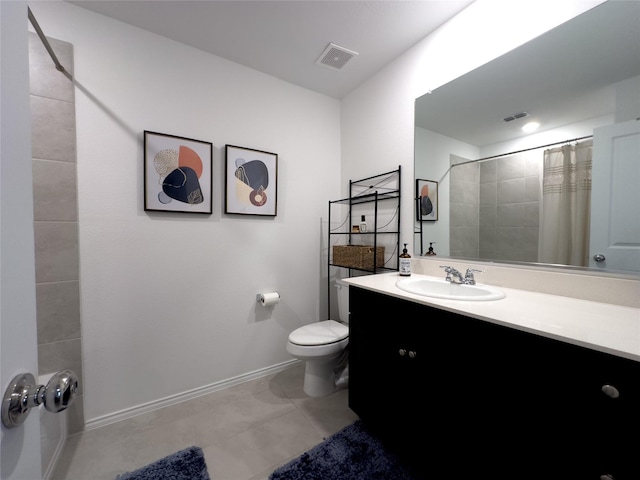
(442, 289)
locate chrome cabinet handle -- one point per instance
(403, 352)
(611, 391)
(23, 394)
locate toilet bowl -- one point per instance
(321, 345)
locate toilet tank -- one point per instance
(343, 301)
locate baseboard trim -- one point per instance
(127, 413)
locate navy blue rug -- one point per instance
(187, 464)
(353, 453)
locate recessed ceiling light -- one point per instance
(530, 127)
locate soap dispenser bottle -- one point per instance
(431, 250)
(405, 262)
(363, 224)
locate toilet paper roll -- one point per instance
(269, 299)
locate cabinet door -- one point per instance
(384, 358)
(606, 414)
(619, 424)
(583, 429)
(429, 380)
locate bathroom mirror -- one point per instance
(582, 76)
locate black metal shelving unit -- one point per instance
(376, 197)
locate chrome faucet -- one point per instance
(468, 276)
(455, 277)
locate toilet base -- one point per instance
(319, 378)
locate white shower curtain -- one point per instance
(566, 205)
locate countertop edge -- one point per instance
(608, 328)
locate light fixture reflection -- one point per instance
(530, 127)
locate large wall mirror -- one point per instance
(564, 195)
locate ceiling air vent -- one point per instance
(335, 56)
(515, 116)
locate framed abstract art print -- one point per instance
(251, 180)
(427, 196)
(177, 174)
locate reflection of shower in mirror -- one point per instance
(464, 120)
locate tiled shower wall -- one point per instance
(53, 144)
(495, 208)
(464, 211)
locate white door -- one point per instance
(615, 197)
(20, 448)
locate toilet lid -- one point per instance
(319, 333)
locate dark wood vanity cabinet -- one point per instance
(459, 395)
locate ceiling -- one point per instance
(286, 38)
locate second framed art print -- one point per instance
(427, 195)
(177, 174)
(251, 181)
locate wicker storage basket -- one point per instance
(357, 256)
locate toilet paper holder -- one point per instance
(268, 299)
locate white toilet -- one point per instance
(321, 345)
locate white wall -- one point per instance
(377, 118)
(168, 300)
(432, 162)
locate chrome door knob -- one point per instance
(60, 391)
(598, 257)
(23, 393)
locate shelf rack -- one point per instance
(377, 197)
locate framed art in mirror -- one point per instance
(177, 174)
(427, 196)
(251, 181)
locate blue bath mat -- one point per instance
(187, 464)
(353, 453)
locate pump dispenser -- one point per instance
(431, 251)
(363, 224)
(405, 262)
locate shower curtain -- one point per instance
(566, 205)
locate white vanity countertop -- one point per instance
(600, 326)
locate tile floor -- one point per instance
(245, 431)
